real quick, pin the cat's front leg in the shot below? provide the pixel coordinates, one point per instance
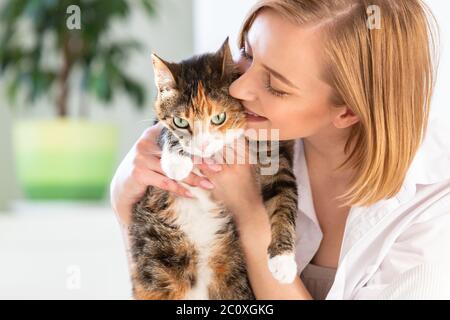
(175, 164)
(280, 197)
(281, 251)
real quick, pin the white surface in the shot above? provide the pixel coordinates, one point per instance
(215, 20)
(43, 246)
(440, 106)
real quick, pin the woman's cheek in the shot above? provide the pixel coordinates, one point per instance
(299, 125)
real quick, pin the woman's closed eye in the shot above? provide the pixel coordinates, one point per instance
(273, 91)
(278, 93)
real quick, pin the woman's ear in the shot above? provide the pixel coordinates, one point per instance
(344, 117)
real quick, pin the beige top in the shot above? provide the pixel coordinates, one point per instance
(318, 280)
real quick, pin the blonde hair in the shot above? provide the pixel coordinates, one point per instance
(385, 76)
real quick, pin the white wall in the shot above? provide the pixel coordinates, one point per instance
(7, 178)
(214, 20)
(441, 107)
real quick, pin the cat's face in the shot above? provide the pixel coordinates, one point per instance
(194, 103)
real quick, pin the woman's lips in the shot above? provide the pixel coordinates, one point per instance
(253, 117)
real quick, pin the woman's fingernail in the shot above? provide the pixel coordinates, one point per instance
(215, 167)
(206, 184)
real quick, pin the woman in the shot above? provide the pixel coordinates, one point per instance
(351, 81)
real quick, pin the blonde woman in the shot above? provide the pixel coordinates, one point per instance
(354, 91)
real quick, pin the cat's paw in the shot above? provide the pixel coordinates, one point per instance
(283, 267)
(175, 166)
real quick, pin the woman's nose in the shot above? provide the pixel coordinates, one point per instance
(241, 88)
(242, 64)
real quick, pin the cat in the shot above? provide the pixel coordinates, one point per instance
(188, 248)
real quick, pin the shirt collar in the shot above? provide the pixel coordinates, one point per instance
(305, 201)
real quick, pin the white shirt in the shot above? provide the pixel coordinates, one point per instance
(397, 248)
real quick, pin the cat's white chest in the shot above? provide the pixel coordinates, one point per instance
(198, 219)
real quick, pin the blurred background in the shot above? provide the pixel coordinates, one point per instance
(76, 91)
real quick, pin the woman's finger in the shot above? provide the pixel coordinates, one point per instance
(147, 143)
(161, 181)
(192, 179)
(207, 170)
(148, 147)
(147, 163)
(176, 188)
(197, 181)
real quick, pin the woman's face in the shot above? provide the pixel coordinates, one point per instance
(280, 83)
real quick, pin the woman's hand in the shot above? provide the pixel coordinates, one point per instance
(235, 185)
(139, 169)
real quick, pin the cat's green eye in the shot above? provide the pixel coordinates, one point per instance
(180, 122)
(219, 118)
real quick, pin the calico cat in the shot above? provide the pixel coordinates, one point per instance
(185, 248)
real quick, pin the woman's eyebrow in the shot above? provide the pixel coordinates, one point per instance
(280, 77)
(276, 74)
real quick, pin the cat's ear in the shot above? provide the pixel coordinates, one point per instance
(164, 78)
(225, 53)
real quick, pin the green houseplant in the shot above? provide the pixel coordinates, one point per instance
(65, 158)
